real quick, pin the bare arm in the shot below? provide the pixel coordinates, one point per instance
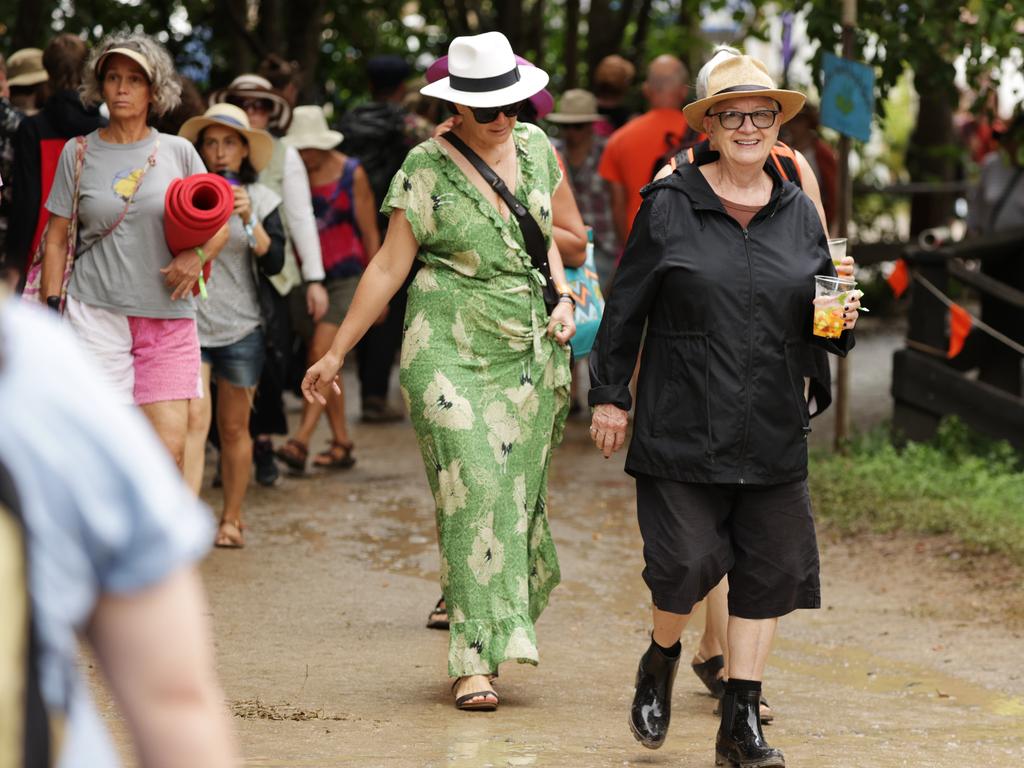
(618, 195)
(384, 275)
(567, 226)
(562, 323)
(154, 648)
(54, 257)
(810, 185)
(366, 212)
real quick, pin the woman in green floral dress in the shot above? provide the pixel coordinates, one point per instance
(484, 370)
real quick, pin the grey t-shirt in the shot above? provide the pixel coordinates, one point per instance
(232, 310)
(121, 273)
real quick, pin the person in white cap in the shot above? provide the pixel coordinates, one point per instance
(129, 298)
(484, 368)
(718, 276)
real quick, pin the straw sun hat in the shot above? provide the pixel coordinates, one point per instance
(576, 106)
(483, 72)
(261, 145)
(738, 77)
(25, 67)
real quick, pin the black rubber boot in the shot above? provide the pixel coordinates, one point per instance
(652, 701)
(740, 742)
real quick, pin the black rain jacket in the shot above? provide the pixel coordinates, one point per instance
(728, 334)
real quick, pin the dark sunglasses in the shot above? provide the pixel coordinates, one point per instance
(489, 114)
(252, 105)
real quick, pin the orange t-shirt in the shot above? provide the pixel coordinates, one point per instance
(633, 150)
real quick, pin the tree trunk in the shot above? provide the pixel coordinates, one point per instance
(31, 26)
(510, 22)
(537, 36)
(304, 36)
(643, 21)
(572, 42)
(931, 156)
(271, 26)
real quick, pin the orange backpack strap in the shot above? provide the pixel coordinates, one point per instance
(785, 162)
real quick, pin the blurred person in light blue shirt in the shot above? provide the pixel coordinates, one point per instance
(113, 536)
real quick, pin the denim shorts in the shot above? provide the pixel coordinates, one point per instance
(240, 363)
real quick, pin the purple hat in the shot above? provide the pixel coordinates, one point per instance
(542, 101)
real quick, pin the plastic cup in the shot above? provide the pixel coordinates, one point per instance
(830, 294)
(837, 250)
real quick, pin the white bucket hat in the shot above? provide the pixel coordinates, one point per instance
(309, 130)
(261, 145)
(482, 72)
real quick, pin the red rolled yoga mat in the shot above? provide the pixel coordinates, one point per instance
(194, 209)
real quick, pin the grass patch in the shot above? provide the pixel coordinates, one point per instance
(957, 484)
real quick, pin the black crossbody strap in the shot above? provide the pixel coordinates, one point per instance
(532, 235)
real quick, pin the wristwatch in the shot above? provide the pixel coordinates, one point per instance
(53, 302)
(250, 233)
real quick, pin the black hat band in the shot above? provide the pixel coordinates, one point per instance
(484, 84)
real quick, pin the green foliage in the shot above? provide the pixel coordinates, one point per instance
(925, 35)
(957, 484)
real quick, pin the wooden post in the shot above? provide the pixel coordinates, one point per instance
(845, 210)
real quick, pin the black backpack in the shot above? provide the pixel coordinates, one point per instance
(25, 730)
(375, 133)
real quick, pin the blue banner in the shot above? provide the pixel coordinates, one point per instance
(848, 100)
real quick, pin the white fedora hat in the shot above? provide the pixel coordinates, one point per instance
(309, 130)
(735, 78)
(261, 145)
(482, 72)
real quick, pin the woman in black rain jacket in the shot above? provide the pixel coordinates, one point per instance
(717, 282)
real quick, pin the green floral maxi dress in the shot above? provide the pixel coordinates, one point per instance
(488, 392)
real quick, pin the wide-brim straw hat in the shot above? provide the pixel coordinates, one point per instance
(577, 106)
(738, 77)
(309, 130)
(483, 72)
(25, 67)
(261, 144)
(251, 86)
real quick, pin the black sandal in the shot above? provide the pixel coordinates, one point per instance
(488, 699)
(438, 618)
(708, 671)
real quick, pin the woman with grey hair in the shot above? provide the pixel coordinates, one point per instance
(129, 298)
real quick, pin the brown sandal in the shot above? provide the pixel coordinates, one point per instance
(293, 453)
(338, 456)
(229, 535)
(477, 701)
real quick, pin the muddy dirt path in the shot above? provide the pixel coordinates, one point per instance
(915, 659)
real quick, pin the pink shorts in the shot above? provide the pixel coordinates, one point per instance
(146, 359)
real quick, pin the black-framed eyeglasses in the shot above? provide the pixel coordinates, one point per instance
(731, 120)
(490, 114)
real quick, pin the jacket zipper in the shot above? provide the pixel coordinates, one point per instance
(750, 354)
